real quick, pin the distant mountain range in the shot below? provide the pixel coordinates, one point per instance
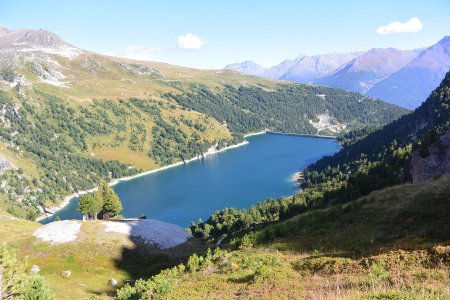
(403, 77)
(306, 68)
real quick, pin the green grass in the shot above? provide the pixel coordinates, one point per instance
(94, 258)
(392, 244)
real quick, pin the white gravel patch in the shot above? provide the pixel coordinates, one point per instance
(162, 234)
(58, 232)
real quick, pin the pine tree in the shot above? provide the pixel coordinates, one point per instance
(90, 205)
(111, 202)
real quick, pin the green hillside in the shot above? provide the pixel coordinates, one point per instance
(391, 244)
(345, 210)
(68, 123)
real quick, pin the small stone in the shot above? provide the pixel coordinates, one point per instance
(113, 282)
(66, 273)
(34, 269)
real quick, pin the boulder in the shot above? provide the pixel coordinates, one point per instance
(34, 269)
(66, 274)
(113, 282)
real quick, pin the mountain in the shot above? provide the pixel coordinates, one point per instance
(410, 85)
(309, 68)
(402, 77)
(391, 243)
(358, 216)
(363, 72)
(377, 159)
(69, 121)
(33, 40)
(247, 67)
(306, 68)
(302, 69)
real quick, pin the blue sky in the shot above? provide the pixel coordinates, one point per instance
(213, 33)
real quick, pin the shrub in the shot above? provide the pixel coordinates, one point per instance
(195, 263)
(262, 273)
(378, 273)
(17, 283)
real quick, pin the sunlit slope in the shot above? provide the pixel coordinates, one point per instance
(92, 76)
(93, 259)
(391, 244)
(70, 121)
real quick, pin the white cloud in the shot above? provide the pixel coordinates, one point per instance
(411, 26)
(190, 42)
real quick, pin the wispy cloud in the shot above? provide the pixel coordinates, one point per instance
(190, 42)
(137, 52)
(411, 26)
(140, 52)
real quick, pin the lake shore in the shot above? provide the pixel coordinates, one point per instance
(50, 211)
(297, 176)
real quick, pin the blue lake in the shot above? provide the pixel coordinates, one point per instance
(238, 177)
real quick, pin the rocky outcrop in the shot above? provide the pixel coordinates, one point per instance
(435, 163)
(5, 164)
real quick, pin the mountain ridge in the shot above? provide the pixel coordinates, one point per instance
(386, 73)
(411, 85)
(363, 72)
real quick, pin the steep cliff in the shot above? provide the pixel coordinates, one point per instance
(432, 163)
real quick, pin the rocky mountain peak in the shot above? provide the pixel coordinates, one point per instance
(247, 67)
(35, 40)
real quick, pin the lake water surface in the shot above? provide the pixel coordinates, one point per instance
(238, 177)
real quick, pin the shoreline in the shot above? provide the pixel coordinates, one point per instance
(256, 133)
(302, 134)
(54, 209)
(297, 176)
(212, 150)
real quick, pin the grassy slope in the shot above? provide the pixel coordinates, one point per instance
(104, 79)
(94, 258)
(392, 244)
(91, 76)
(381, 244)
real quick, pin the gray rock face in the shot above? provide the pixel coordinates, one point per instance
(26, 38)
(5, 164)
(436, 163)
(308, 68)
(113, 282)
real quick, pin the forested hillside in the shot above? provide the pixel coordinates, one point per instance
(390, 244)
(378, 160)
(293, 108)
(385, 149)
(350, 233)
(68, 122)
